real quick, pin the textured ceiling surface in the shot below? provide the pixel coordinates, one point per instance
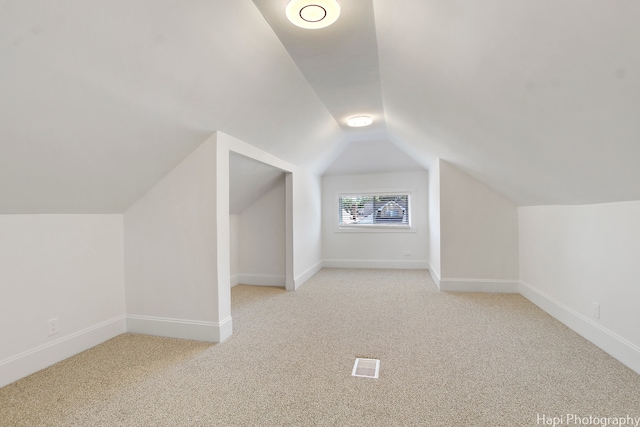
(538, 99)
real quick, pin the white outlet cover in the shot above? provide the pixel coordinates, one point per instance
(52, 326)
(596, 310)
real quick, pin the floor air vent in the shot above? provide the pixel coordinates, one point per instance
(366, 368)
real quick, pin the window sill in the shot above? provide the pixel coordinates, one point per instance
(375, 229)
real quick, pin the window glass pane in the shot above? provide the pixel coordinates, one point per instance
(384, 209)
(392, 209)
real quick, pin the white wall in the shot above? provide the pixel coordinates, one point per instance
(307, 225)
(171, 253)
(234, 248)
(478, 235)
(261, 245)
(172, 249)
(378, 248)
(68, 267)
(178, 244)
(434, 222)
(304, 244)
(572, 256)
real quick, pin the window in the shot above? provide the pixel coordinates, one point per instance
(374, 210)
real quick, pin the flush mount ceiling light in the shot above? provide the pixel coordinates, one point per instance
(313, 14)
(359, 121)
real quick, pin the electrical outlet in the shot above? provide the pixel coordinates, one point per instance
(596, 310)
(407, 253)
(53, 326)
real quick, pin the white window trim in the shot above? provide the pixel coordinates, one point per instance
(373, 228)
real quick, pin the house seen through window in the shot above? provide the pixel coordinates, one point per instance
(370, 210)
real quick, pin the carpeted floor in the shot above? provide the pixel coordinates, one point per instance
(447, 359)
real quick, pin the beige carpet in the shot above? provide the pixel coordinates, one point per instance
(447, 359)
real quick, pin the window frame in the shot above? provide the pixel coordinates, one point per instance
(374, 228)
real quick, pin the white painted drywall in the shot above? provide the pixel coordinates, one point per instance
(234, 247)
(136, 88)
(577, 255)
(304, 246)
(307, 225)
(379, 248)
(434, 222)
(178, 244)
(479, 229)
(68, 267)
(261, 246)
(171, 246)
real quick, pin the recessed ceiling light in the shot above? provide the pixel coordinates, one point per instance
(313, 14)
(359, 121)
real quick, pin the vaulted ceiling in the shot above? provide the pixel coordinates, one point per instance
(538, 99)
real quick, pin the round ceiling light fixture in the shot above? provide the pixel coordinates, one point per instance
(359, 121)
(313, 14)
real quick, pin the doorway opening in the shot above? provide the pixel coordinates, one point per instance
(259, 226)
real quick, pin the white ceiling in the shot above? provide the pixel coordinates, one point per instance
(340, 62)
(538, 99)
(248, 180)
(369, 157)
(100, 99)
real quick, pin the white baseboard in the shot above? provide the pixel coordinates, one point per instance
(38, 358)
(261, 279)
(225, 329)
(180, 328)
(479, 285)
(308, 274)
(618, 347)
(377, 263)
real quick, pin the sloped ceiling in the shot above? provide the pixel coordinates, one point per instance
(538, 99)
(374, 156)
(248, 180)
(340, 62)
(100, 99)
